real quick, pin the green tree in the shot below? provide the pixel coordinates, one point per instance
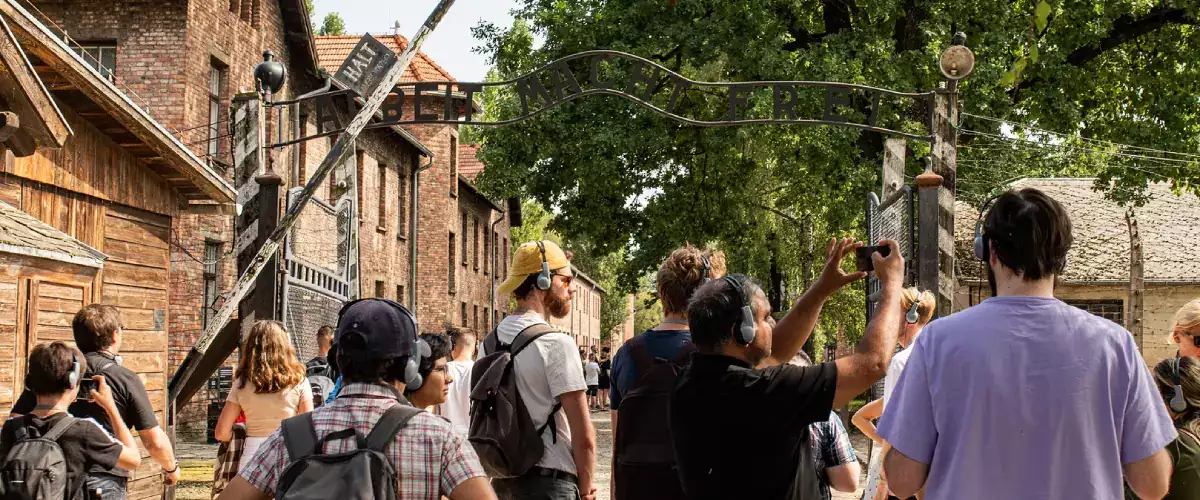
(332, 25)
(623, 177)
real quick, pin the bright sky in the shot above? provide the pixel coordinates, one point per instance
(450, 44)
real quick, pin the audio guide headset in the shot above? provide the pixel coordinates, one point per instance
(911, 316)
(746, 327)
(544, 278)
(1178, 403)
(980, 245)
(76, 372)
(412, 373)
(707, 269)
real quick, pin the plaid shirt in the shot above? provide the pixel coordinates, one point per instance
(430, 458)
(831, 448)
(228, 456)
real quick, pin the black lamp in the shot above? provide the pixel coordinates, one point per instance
(270, 74)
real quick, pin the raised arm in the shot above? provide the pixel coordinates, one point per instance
(869, 362)
(793, 330)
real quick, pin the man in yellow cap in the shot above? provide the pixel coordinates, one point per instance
(549, 377)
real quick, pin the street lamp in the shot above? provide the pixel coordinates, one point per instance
(270, 74)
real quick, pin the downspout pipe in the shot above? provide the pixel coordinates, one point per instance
(495, 273)
(412, 230)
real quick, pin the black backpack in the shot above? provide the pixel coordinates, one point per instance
(502, 431)
(644, 457)
(361, 474)
(34, 467)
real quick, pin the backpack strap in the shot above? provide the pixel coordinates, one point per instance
(300, 436)
(389, 425)
(491, 343)
(685, 353)
(527, 336)
(57, 431)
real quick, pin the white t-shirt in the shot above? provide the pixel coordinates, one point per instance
(546, 369)
(457, 408)
(591, 373)
(895, 368)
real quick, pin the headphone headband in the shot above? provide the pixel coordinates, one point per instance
(707, 269)
(746, 326)
(1178, 402)
(911, 316)
(544, 278)
(980, 243)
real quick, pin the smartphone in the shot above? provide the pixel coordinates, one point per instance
(862, 256)
(86, 386)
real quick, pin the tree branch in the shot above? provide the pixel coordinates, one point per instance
(1127, 28)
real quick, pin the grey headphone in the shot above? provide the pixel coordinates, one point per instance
(911, 317)
(746, 328)
(980, 246)
(76, 371)
(1178, 404)
(543, 279)
(707, 269)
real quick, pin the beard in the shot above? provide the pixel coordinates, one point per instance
(558, 307)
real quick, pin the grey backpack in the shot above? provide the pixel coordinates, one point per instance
(34, 468)
(502, 431)
(362, 474)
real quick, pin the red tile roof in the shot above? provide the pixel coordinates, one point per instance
(333, 49)
(469, 165)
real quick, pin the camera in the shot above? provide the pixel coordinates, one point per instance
(862, 256)
(86, 386)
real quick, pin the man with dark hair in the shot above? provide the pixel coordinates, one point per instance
(55, 383)
(1024, 396)
(740, 414)
(457, 407)
(98, 333)
(549, 376)
(324, 343)
(373, 343)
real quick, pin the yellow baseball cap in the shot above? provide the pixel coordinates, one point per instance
(528, 260)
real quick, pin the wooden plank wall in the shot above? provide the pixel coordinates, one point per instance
(135, 278)
(92, 164)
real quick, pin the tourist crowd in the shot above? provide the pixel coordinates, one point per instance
(1021, 396)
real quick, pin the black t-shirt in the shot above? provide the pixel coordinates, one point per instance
(84, 445)
(743, 433)
(605, 366)
(128, 392)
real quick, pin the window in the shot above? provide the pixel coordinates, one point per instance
(212, 254)
(454, 167)
(380, 289)
(382, 196)
(451, 263)
(301, 177)
(101, 56)
(400, 294)
(504, 248)
(475, 245)
(216, 82)
(245, 10)
(360, 163)
(464, 315)
(487, 317)
(475, 317)
(464, 240)
(1112, 310)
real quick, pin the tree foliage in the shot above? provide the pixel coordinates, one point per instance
(332, 25)
(620, 176)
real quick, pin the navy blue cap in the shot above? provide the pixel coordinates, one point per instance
(387, 329)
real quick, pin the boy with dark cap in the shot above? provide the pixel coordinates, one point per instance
(374, 342)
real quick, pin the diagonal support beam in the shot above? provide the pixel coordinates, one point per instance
(337, 154)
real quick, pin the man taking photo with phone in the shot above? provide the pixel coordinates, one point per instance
(740, 414)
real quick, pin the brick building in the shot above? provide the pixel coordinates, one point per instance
(583, 323)
(91, 215)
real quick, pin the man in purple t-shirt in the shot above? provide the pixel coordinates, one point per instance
(1024, 396)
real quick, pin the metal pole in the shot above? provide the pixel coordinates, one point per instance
(337, 154)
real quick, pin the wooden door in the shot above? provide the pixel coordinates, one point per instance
(50, 305)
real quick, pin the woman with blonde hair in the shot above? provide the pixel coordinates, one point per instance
(1182, 372)
(268, 386)
(918, 311)
(1186, 331)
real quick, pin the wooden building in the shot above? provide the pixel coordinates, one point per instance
(87, 212)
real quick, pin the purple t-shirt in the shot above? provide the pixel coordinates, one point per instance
(1025, 397)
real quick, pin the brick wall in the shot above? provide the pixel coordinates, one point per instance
(476, 280)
